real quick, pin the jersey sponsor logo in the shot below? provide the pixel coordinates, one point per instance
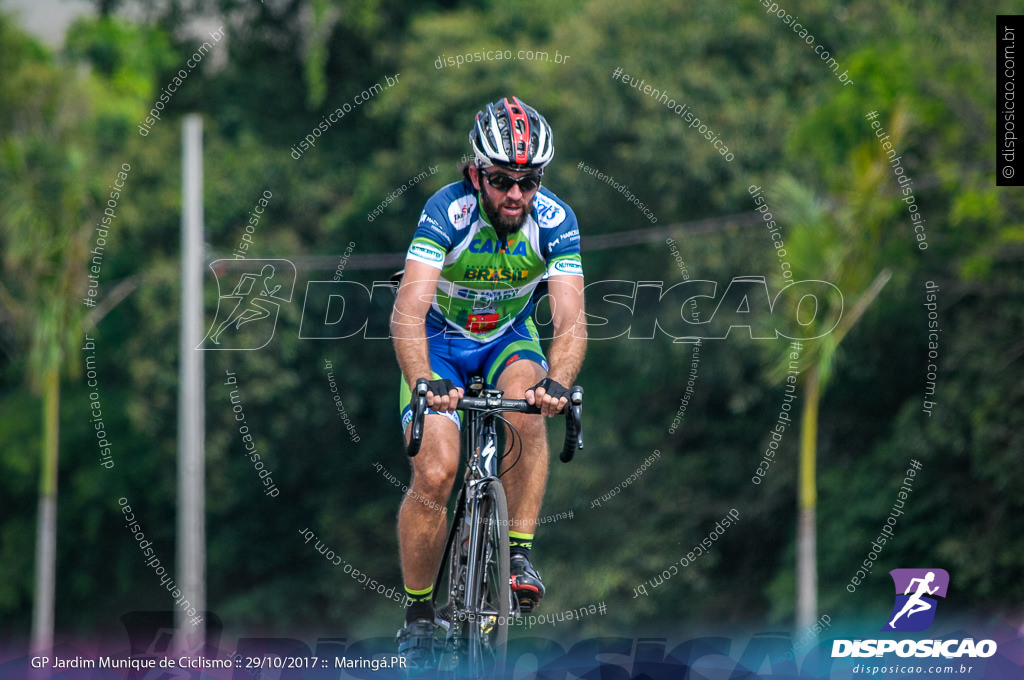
(495, 274)
(427, 219)
(426, 252)
(481, 245)
(570, 236)
(488, 295)
(548, 212)
(460, 210)
(568, 266)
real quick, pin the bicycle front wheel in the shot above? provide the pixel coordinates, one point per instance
(488, 594)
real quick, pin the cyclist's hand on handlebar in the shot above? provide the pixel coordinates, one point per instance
(549, 395)
(442, 395)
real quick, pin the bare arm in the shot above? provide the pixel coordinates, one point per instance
(408, 329)
(569, 344)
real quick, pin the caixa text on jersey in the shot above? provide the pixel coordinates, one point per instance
(615, 309)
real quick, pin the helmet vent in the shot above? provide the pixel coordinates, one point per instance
(511, 134)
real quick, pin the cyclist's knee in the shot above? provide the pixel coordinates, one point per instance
(437, 463)
(434, 478)
(534, 433)
(519, 377)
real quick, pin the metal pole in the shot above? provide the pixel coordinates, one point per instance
(191, 549)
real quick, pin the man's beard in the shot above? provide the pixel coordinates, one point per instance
(505, 226)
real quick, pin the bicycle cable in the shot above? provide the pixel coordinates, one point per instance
(513, 437)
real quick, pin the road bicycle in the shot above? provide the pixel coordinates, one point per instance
(473, 597)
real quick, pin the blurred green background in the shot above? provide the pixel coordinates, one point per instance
(69, 119)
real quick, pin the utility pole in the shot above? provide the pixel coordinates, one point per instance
(191, 548)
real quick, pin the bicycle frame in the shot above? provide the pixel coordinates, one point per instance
(481, 447)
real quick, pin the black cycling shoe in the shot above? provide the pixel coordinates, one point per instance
(416, 646)
(526, 583)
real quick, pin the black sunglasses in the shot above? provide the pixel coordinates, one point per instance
(504, 183)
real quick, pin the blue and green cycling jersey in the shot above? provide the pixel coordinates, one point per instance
(486, 286)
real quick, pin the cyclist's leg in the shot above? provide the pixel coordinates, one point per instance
(525, 481)
(421, 534)
(515, 366)
(422, 515)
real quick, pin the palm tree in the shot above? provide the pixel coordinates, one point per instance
(838, 239)
(45, 252)
(44, 205)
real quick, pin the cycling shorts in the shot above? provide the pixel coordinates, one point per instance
(458, 359)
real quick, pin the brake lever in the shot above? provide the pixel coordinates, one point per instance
(419, 410)
(573, 425)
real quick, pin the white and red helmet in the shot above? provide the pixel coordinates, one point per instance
(512, 135)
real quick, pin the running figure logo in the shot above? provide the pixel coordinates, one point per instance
(916, 611)
(254, 302)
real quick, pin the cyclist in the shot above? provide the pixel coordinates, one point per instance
(464, 308)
